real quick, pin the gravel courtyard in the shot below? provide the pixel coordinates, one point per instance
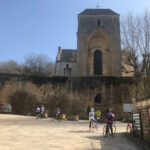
(27, 133)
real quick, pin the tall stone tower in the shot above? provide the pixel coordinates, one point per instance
(98, 43)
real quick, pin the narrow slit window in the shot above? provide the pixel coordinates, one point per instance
(64, 71)
(67, 66)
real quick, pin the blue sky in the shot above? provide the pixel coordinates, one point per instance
(40, 26)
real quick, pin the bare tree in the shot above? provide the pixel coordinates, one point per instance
(10, 67)
(32, 65)
(38, 65)
(136, 41)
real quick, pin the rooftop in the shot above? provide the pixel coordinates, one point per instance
(98, 12)
(68, 55)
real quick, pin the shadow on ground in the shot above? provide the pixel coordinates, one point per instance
(118, 142)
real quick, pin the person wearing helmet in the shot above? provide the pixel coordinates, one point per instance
(37, 112)
(98, 115)
(114, 118)
(91, 117)
(58, 113)
(109, 120)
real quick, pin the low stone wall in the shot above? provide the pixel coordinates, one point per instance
(143, 108)
(74, 95)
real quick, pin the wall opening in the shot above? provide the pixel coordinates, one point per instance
(67, 66)
(67, 70)
(97, 62)
(98, 99)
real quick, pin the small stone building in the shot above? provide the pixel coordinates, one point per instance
(66, 62)
(98, 46)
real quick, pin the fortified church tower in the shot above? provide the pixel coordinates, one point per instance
(98, 43)
(98, 46)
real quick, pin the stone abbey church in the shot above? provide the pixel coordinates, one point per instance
(98, 46)
(90, 76)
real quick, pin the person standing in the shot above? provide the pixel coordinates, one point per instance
(58, 113)
(37, 112)
(112, 112)
(91, 117)
(42, 111)
(109, 120)
(98, 115)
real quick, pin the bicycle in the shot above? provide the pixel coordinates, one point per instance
(56, 117)
(38, 116)
(93, 126)
(131, 128)
(106, 130)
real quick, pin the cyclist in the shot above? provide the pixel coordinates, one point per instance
(42, 111)
(37, 112)
(58, 113)
(98, 115)
(91, 117)
(112, 112)
(109, 120)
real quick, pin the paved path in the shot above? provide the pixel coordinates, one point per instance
(27, 133)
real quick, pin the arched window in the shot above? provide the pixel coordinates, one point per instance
(98, 99)
(98, 62)
(98, 22)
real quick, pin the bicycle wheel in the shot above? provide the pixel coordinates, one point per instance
(94, 126)
(105, 131)
(114, 128)
(38, 116)
(134, 133)
(90, 126)
(128, 130)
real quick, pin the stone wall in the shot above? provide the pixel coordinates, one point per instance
(73, 94)
(143, 108)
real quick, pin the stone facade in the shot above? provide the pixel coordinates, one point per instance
(65, 68)
(98, 45)
(99, 30)
(65, 62)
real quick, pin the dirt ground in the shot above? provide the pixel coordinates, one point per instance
(27, 133)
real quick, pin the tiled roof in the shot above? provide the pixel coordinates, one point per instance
(68, 55)
(98, 12)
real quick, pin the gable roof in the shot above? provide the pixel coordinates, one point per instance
(98, 12)
(67, 55)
